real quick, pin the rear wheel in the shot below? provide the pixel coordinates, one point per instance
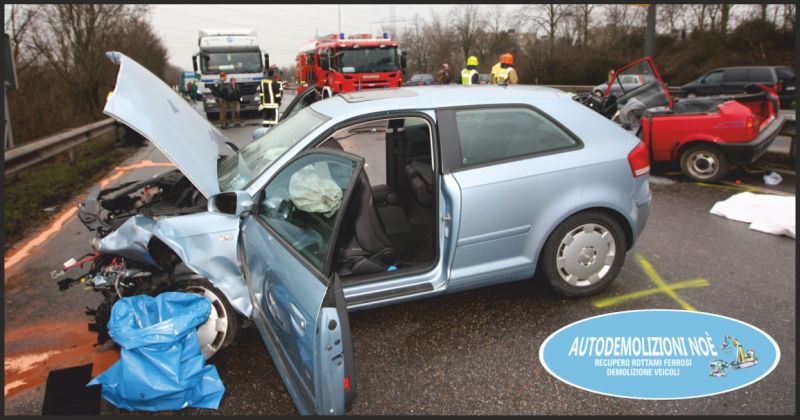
(704, 163)
(584, 254)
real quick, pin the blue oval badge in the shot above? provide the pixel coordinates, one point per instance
(659, 354)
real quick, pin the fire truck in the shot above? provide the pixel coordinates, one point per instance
(334, 64)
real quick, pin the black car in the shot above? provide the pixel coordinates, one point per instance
(734, 80)
(420, 79)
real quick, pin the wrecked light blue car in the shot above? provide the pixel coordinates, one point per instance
(380, 197)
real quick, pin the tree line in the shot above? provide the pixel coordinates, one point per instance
(63, 74)
(579, 43)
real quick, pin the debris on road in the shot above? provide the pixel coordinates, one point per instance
(773, 178)
(765, 212)
(161, 366)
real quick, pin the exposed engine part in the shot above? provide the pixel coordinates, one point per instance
(167, 194)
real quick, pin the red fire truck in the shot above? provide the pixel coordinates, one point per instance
(333, 64)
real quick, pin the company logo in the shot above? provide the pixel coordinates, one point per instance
(659, 354)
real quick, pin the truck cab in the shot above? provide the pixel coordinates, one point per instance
(235, 52)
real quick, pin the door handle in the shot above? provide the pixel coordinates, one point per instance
(298, 320)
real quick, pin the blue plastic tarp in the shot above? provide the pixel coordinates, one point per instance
(161, 366)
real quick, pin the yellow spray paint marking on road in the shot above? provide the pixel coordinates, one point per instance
(661, 287)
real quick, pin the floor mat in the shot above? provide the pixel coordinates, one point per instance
(66, 392)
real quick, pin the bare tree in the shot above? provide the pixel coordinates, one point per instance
(17, 24)
(72, 41)
(468, 27)
(548, 17)
(699, 11)
(582, 16)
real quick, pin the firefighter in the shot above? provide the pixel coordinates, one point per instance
(495, 70)
(469, 75)
(506, 75)
(270, 97)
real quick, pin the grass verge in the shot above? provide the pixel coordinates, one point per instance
(54, 182)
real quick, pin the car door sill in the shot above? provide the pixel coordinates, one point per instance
(389, 294)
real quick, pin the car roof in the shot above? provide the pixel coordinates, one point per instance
(747, 67)
(434, 97)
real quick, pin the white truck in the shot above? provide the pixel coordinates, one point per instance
(236, 52)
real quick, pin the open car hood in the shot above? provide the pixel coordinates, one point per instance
(146, 104)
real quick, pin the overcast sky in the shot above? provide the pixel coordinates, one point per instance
(281, 29)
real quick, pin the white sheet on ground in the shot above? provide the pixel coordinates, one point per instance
(765, 212)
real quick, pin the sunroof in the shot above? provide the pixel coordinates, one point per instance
(371, 95)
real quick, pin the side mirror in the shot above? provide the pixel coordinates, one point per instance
(259, 132)
(266, 60)
(237, 203)
(194, 63)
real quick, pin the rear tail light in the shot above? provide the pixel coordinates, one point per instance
(750, 124)
(639, 160)
(346, 383)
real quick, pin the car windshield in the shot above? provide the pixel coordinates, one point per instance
(367, 60)
(239, 169)
(422, 77)
(232, 62)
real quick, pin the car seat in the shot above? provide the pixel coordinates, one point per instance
(364, 246)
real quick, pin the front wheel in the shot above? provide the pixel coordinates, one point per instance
(704, 163)
(584, 254)
(222, 325)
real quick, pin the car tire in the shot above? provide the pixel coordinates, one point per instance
(704, 163)
(584, 254)
(222, 326)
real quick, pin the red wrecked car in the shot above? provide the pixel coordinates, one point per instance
(706, 136)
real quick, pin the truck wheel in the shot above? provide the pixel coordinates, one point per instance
(583, 255)
(222, 325)
(704, 163)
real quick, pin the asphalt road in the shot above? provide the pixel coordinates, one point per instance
(470, 353)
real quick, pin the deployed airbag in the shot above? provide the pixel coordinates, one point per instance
(767, 213)
(313, 190)
(161, 367)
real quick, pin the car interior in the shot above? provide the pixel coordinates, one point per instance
(388, 224)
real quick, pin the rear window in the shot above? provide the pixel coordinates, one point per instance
(496, 134)
(785, 73)
(761, 75)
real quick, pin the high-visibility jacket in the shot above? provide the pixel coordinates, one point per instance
(506, 76)
(270, 94)
(467, 75)
(493, 76)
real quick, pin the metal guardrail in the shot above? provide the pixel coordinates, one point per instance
(31, 153)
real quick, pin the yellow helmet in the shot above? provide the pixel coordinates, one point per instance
(472, 61)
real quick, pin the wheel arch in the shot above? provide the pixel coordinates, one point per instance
(709, 141)
(617, 215)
